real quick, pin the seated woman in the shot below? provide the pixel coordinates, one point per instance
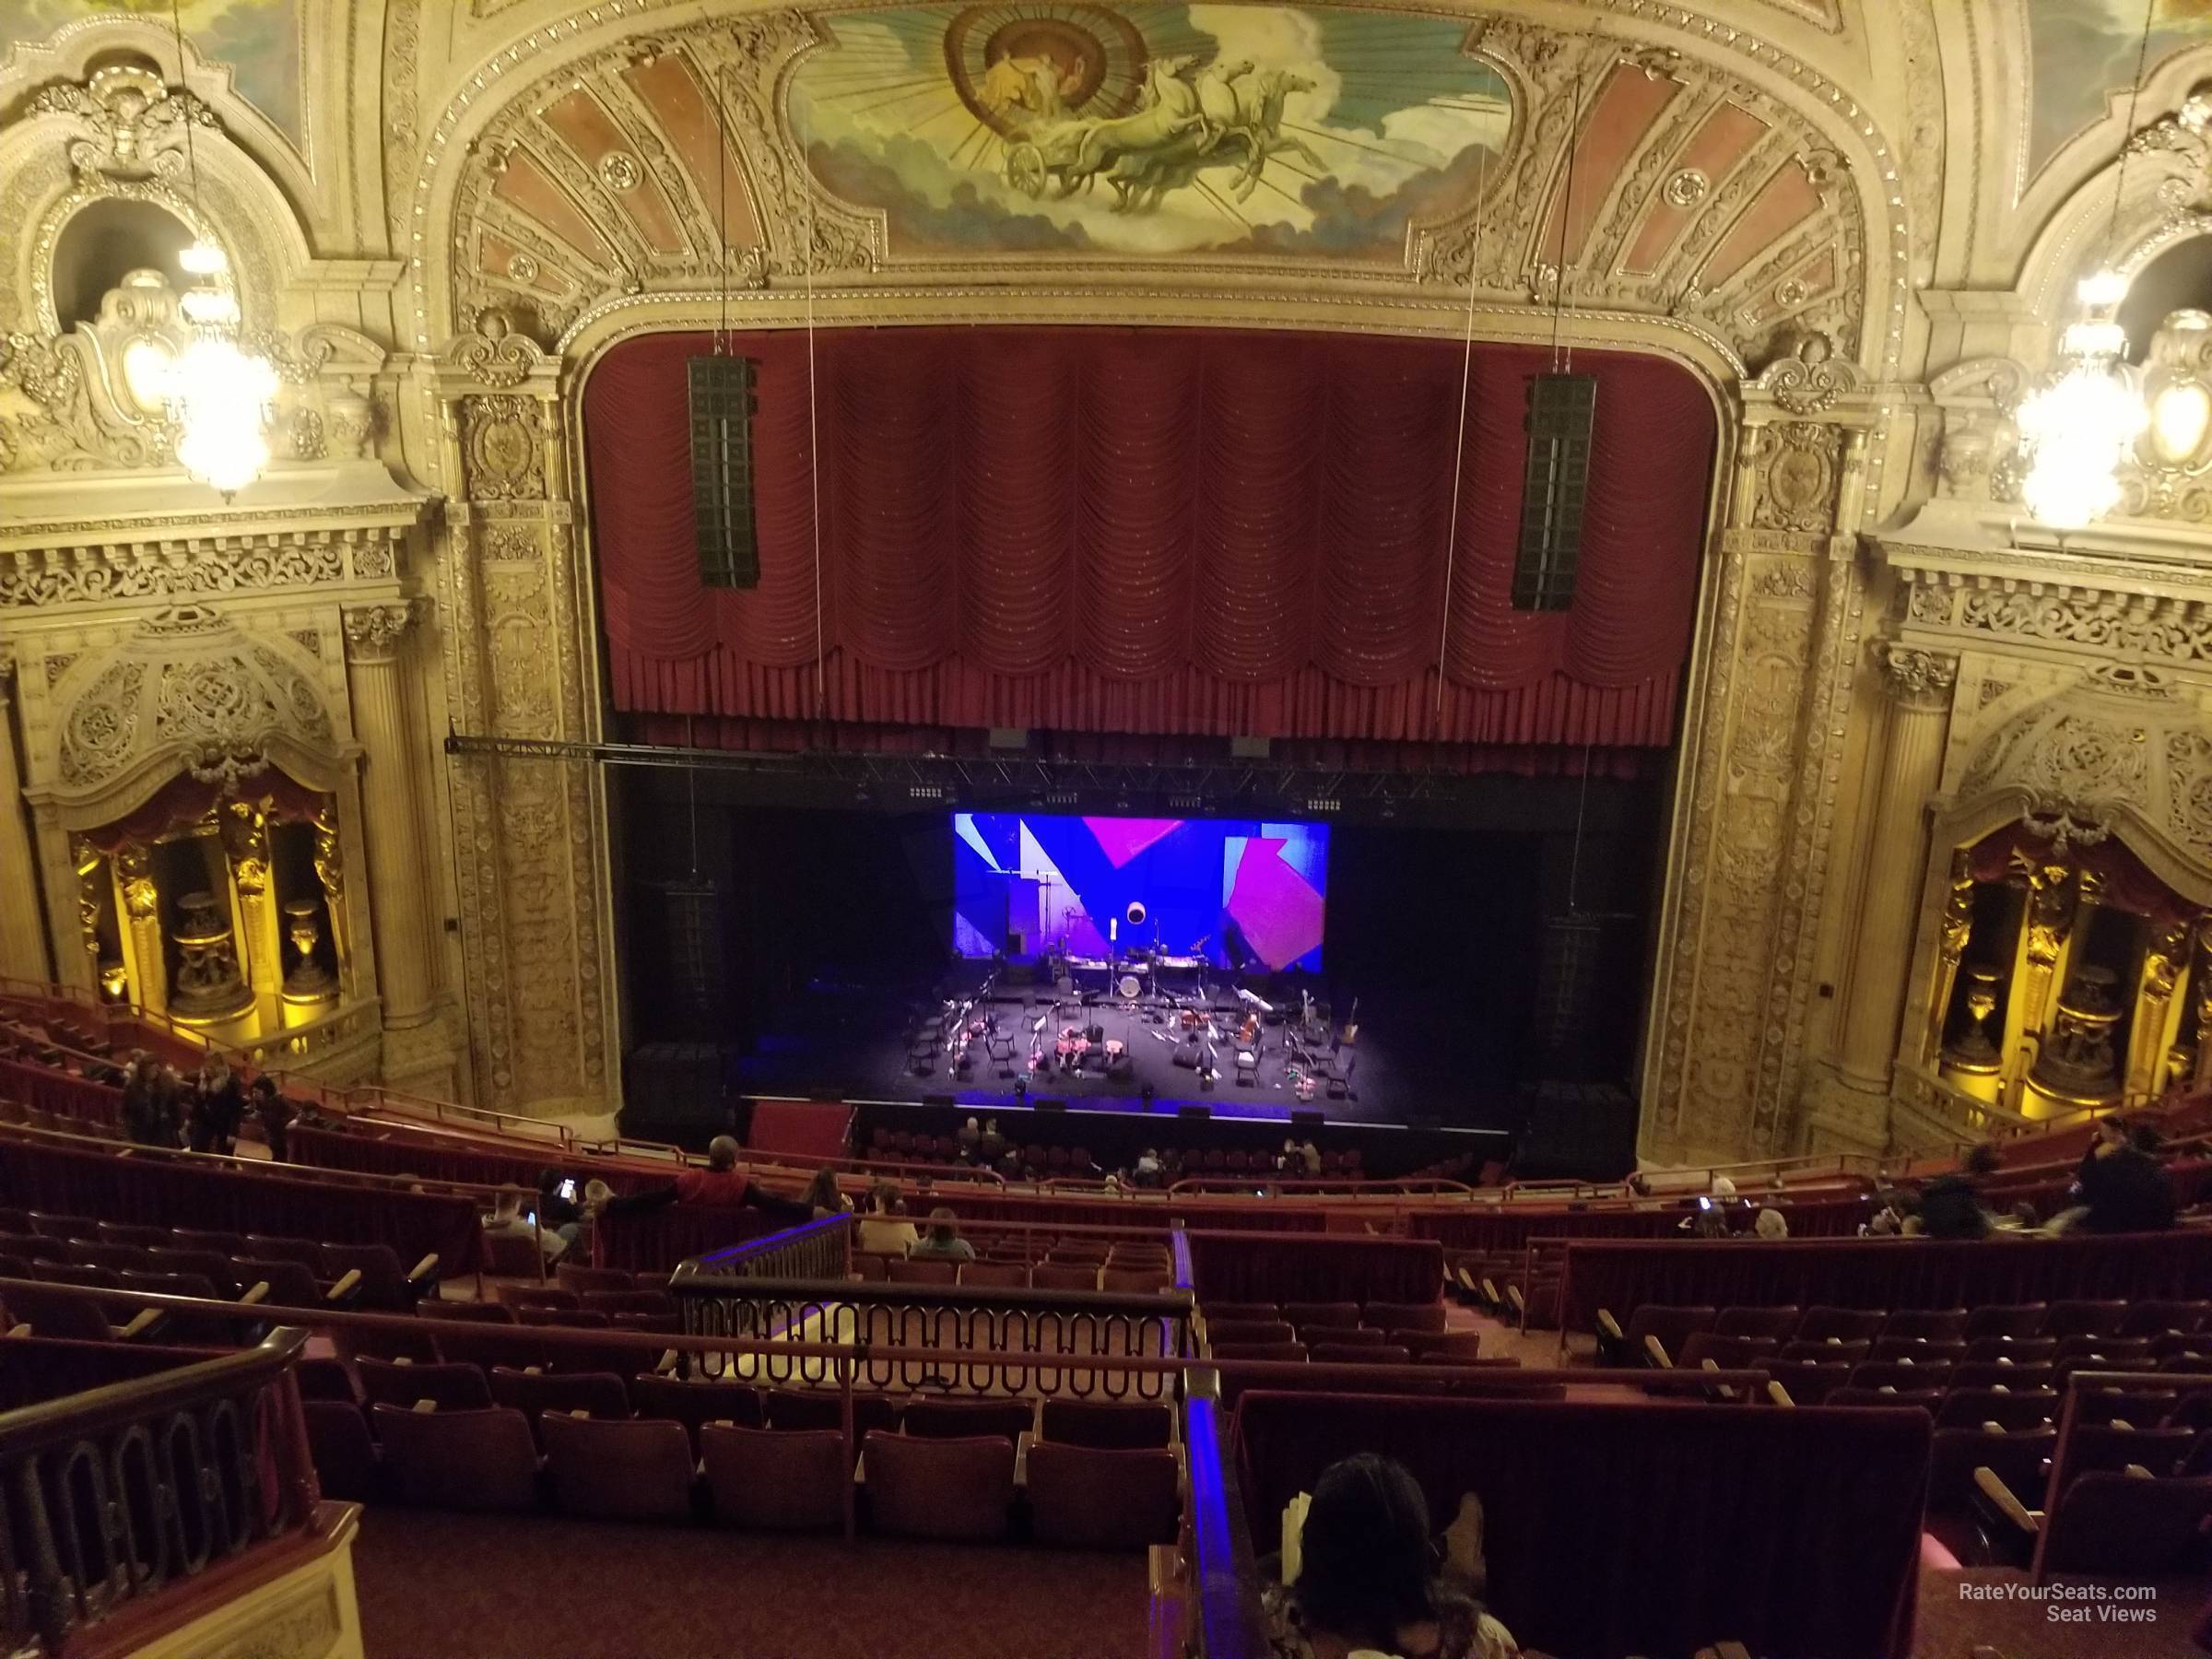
(1369, 1582)
(943, 1242)
(884, 1231)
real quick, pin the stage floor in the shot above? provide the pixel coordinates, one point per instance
(854, 1040)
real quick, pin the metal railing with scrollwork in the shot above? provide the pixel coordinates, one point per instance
(111, 1496)
(959, 1338)
(813, 1250)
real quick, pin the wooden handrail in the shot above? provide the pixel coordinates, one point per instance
(113, 1404)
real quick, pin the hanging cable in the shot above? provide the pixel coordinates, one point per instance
(1574, 861)
(2127, 136)
(722, 206)
(814, 477)
(1559, 279)
(1459, 448)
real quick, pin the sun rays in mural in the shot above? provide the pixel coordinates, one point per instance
(1149, 128)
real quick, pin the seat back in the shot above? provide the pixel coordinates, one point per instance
(2015, 1455)
(2094, 1446)
(927, 1271)
(1224, 1310)
(619, 1470)
(956, 1490)
(2008, 1319)
(465, 1460)
(695, 1405)
(1219, 1331)
(958, 1419)
(1729, 1353)
(1925, 1324)
(1259, 1350)
(2109, 1523)
(451, 1387)
(576, 1276)
(1777, 1323)
(1340, 1336)
(55, 1313)
(2019, 1350)
(1900, 1374)
(804, 1408)
(1013, 1276)
(290, 1285)
(2085, 1319)
(1107, 1425)
(1808, 1381)
(213, 1265)
(1088, 1497)
(1406, 1316)
(596, 1394)
(2165, 1318)
(1829, 1351)
(383, 1280)
(1355, 1353)
(1063, 1275)
(776, 1480)
(305, 1251)
(339, 1446)
(522, 1298)
(1136, 1281)
(1461, 1346)
(1840, 1324)
(2013, 1409)
(1672, 1325)
(1338, 1316)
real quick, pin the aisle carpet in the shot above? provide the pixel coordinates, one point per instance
(494, 1587)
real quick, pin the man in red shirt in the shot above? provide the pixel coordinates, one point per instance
(722, 1184)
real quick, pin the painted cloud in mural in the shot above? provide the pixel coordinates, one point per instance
(1150, 129)
(2085, 54)
(258, 40)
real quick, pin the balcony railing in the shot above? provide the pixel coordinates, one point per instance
(813, 1250)
(111, 1498)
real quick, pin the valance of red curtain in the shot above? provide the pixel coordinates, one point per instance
(2129, 884)
(185, 800)
(1149, 530)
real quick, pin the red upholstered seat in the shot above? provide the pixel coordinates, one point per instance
(2016, 1454)
(1925, 1398)
(1840, 1324)
(525, 1297)
(1729, 1353)
(53, 1312)
(576, 1276)
(1921, 1350)
(322, 1379)
(1670, 1326)
(2107, 1446)
(1108, 1425)
(923, 1271)
(1900, 1375)
(191, 1237)
(1136, 1281)
(1064, 1276)
(465, 1460)
(1996, 1373)
(1830, 1351)
(1406, 1316)
(1439, 1344)
(1012, 1276)
(2152, 1318)
(1341, 1336)
(2109, 1523)
(696, 1403)
(597, 1393)
(125, 1232)
(339, 1445)
(620, 1470)
(957, 1420)
(1808, 1381)
(1349, 1353)
(2020, 1408)
(805, 1408)
(611, 1302)
(2006, 1319)
(1259, 1350)
(1925, 1324)
(1339, 1315)
(415, 1340)
(957, 1489)
(451, 1387)
(386, 1281)
(2085, 1319)
(2021, 1350)
(1092, 1499)
(774, 1479)
(1777, 1323)
(1218, 1331)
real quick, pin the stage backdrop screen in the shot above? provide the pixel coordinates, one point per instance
(1243, 893)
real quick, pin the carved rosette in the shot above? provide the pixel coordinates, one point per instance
(1918, 678)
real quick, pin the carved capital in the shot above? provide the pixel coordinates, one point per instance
(1917, 678)
(493, 354)
(373, 633)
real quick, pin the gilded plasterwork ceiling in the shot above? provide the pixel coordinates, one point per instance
(1357, 144)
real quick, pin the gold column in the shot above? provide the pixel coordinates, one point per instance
(398, 883)
(330, 871)
(2153, 1029)
(2201, 985)
(245, 838)
(1919, 685)
(89, 864)
(22, 939)
(1958, 930)
(142, 926)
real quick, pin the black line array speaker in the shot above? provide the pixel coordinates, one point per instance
(698, 975)
(1194, 1112)
(1307, 1118)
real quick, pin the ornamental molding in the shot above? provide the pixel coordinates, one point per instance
(1918, 678)
(2005, 608)
(155, 568)
(374, 633)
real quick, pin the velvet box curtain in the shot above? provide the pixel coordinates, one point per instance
(118, 1188)
(2129, 884)
(1645, 1528)
(1149, 531)
(1243, 1267)
(1877, 1272)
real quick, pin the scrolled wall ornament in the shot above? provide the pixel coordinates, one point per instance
(134, 125)
(494, 355)
(374, 632)
(1807, 379)
(1918, 677)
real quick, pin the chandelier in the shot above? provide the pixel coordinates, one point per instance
(220, 396)
(2080, 425)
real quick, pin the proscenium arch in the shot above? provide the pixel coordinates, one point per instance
(533, 60)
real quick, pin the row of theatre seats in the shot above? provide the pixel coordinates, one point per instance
(1125, 1277)
(1340, 1333)
(901, 1145)
(649, 1446)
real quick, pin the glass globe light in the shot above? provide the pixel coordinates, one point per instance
(221, 397)
(2080, 425)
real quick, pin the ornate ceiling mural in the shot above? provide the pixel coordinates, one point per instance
(2083, 54)
(1366, 145)
(259, 42)
(1150, 129)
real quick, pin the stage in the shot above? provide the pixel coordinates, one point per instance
(917, 1043)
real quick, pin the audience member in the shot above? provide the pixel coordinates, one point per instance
(943, 1242)
(968, 1140)
(274, 1113)
(823, 1197)
(1309, 1155)
(884, 1231)
(1368, 1576)
(149, 1102)
(1147, 1172)
(508, 1221)
(1950, 1206)
(217, 1106)
(1771, 1225)
(555, 1210)
(991, 1145)
(2124, 1187)
(724, 1184)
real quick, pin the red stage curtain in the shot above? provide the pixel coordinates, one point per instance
(1152, 531)
(1244, 1267)
(2128, 883)
(1877, 1272)
(117, 1188)
(1640, 1528)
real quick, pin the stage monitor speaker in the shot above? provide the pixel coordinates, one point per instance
(699, 976)
(722, 470)
(1194, 1112)
(1306, 1118)
(1561, 409)
(1052, 1106)
(938, 1099)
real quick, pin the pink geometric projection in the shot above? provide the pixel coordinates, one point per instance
(1280, 914)
(1122, 839)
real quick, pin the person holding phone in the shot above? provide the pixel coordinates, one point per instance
(558, 1211)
